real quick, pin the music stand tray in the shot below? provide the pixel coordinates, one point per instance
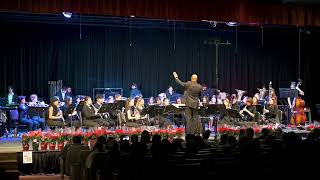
(106, 107)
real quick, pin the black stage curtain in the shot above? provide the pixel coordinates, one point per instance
(32, 54)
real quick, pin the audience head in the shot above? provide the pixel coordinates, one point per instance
(249, 133)
(156, 138)
(113, 145)
(232, 141)
(102, 140)
(265, 132)
(145, 137)
(224, 139)
(134, 139)
(190, 137)
(206, 134)
(242, 133)
(76, 139)
(98, 147)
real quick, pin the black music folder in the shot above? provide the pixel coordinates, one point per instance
(259, 108)
(234, 113)
(215, 109)
(36, 111)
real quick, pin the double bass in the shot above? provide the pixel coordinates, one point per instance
(298, 116)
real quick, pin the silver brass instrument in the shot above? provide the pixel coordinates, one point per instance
(262, 93)
(240, 93)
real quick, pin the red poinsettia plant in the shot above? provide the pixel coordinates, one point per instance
(25, 138)
(35, 136)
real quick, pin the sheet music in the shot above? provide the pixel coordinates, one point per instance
(178, 105)
(27, 157)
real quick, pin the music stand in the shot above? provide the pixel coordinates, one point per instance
(234, 113)
(119, 104)
(106, 107)
(36, 111)
(80, 106)
(259, 108)
(215, 109)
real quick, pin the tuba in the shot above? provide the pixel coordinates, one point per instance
(262, 93)
(240, 93)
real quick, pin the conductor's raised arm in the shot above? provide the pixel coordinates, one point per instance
(175, 75)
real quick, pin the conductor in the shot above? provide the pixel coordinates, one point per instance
(192, 91)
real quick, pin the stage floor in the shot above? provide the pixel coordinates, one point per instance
(10, 144)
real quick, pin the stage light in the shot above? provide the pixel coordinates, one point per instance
(232, 23)
(204, 20)
(67, 14)
(132, 16)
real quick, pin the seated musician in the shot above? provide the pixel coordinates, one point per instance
(132, 115)
(105, 116)
(234, 102)
(135, 92)
(213, 100)
(178, 118)
(139, 106)
(90, 116)
(165, 118)
(205, 101)
(55, 115)
(35, 103)
(179, 100)
(249, 111)
(23, 115)
(226, 119)
(110, 99)
(255, 101)
(158, 101)
(170, 93)
(11, 96)
(151, 101)
(206, 91)
(70, 113)
(271, 112)
(118, 97)
(99, 101)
